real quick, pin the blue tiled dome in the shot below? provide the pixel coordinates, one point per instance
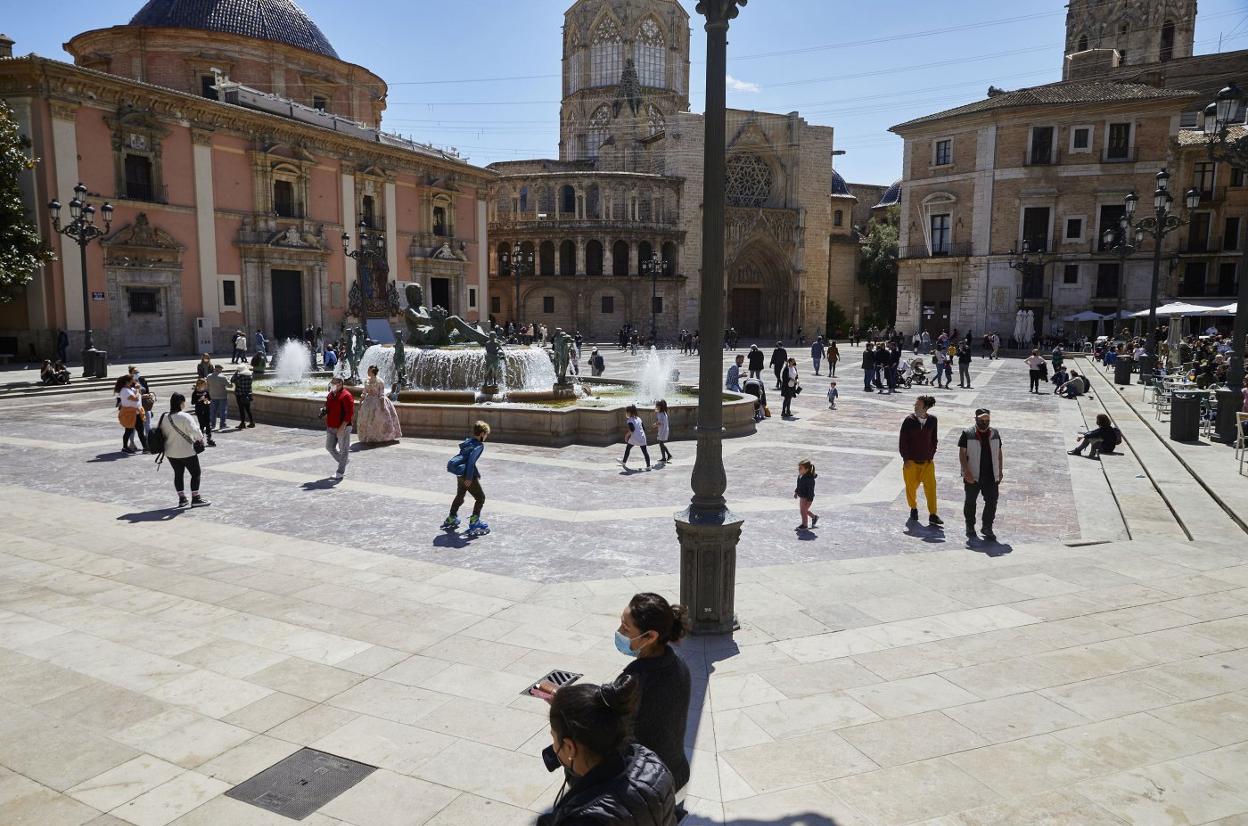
(891, 197)
(280, 21)
(839, 187)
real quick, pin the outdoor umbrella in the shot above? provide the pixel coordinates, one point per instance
(1175, 339)
(1086, 315)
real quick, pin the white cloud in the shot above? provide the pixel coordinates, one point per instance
(743, 85)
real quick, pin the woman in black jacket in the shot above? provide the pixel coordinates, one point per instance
(610, 782)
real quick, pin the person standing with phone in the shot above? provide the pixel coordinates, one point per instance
(339, 410)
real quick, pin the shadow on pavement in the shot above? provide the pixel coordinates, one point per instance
(992, 549)
(806, 819)
(111, 457)
(448, 539)
(328, 483)
(920, 531)
(159, 515)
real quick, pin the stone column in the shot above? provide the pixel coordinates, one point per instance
(632, 258)
(483, 262)
(206, 230)
(580, 256)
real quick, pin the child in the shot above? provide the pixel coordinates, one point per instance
(664, 430)
(468, 480)
(805, 493)
(636, 435)
(202, 405)
(832, 395)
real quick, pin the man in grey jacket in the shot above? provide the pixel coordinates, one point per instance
(218, 396)
(983, 466)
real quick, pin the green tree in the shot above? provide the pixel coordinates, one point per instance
(22, 250)
(836, 324)
(877, 267)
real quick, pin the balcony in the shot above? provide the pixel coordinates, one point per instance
(1042, 156)
(961, 250)
(1119, 156)
(538, 221)
(147, 193)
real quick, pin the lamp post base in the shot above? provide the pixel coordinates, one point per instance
(708, 568)
(94, 364)
(1229, 403)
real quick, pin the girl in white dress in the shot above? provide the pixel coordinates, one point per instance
(635, 435)
(664, 430)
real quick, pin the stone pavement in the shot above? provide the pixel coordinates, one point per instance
(150, 659)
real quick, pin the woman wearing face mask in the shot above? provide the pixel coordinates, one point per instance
(610, 781)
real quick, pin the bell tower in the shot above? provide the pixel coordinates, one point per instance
(1141, 31)
(625, 72)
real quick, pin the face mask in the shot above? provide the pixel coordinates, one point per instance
(622, 644)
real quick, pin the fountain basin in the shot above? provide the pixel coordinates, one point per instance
(450, 414)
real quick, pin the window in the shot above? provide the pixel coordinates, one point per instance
(567, 199)
(1237, 176)
(229, 292)
(1228, 284)
(143, 302)
(941, 230)
(1230, 235)
(1081, 139)
(651, 55)
(1111, 216)
(1074, 229)
(1118, 142)
(1033, 281)
(1041, 145)
(749, 180)
(548, 304)
(284, 198)
(1070, 274)
(546, 258)
(656, 304)
(1167, 42)
(1198, 232)
(593, 258)
(598, 123)
(1202, 179)
(319, 103)
(439, 221)
(838, 218)
(606, 54)
(608, 304)
(472, 298)
(207, 87)
(368, 212)
(1036, 228)
(567, 258)
(1193, 278)
(655, 119)
(1107, 280)
(139, 178)
(496, 304)
(523, 205)
(943, 152)
(1083, 43)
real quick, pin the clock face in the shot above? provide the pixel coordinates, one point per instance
(134, 140)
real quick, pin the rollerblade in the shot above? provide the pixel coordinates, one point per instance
(476, 527)
(450, 523)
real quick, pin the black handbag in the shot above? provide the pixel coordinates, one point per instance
(196, 444)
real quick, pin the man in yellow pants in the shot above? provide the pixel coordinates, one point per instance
(917, 444)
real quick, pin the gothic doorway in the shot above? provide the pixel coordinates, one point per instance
(760, 293)
(287, 304)
(743, 311)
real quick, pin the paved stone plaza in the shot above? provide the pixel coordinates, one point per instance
(1091, 668)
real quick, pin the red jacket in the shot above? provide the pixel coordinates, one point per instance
(917, 442)
(340, 409)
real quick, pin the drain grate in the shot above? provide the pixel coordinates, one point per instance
(300, 784)
(557, 677)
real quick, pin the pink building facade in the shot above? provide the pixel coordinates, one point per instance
(231, 192)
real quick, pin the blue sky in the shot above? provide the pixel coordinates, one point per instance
(483, 75)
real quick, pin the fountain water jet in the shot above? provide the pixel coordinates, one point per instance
(293, 362)
(654, 379)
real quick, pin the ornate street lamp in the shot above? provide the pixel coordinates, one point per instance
(83, 230)
(370, 247)
(654, 267)
(516, 264)
(1122, 242)
(707, 530)
(1226, 130)
(1163, 222)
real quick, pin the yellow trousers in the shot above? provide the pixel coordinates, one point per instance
(914, 473)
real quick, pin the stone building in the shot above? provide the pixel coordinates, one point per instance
(627, 186)
(236, 147)
(1049, 166)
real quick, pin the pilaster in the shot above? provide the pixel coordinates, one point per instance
(205, 227)
(65, 154)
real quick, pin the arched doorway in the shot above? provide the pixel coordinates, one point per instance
(619, 258)
(760, 293)
(593, 258)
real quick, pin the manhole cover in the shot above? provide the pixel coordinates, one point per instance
(302, 783)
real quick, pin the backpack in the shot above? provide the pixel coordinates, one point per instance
(456, 464)
(156, 439)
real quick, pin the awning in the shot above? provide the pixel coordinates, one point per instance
(1180, 308)
(1086, 315)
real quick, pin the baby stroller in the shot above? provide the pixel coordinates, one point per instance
(915, 372)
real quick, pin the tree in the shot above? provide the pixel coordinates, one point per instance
(877, 267)
(22, 249)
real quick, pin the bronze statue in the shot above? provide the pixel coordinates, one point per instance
(356, 347)
(434, 326)
(495, 364)
(561, 346)
(400, 364)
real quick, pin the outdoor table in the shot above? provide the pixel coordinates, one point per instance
(1185, 415)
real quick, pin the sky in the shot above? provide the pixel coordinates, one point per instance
(484, 75)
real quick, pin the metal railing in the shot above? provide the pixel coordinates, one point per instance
(960, 250)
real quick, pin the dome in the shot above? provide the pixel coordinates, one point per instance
(280, 21)
(891, 197)
(839, 187)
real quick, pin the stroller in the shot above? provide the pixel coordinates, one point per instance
(915, 372)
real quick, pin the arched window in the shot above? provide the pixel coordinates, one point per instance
(524, 199)
(606, 54)
(650, 54)
(655, 118)
(1083, 43)
(567, 258)
(619, 258)
(593, 202)
(644, 252)
(1167, 41)
(546, 258)
(567, 200)
(598, 124)
(593, 258)
(671, 258)
(576, 62)
(748, 181)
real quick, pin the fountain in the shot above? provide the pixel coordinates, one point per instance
(446, 373)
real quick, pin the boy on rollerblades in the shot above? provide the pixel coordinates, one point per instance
(468, 480)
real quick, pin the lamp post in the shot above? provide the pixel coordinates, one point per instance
(708, 531)
(83, 230)
(370, 246)
(1025, 262)
(1226, 130)
(1122, 242)
(1157, 226)
(516, 264)
(652, 267)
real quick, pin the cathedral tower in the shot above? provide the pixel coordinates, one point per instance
(1142, 31)
(625, 72)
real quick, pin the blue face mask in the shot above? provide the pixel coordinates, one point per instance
(623, 645)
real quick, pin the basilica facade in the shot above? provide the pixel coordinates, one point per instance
(613, 225)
